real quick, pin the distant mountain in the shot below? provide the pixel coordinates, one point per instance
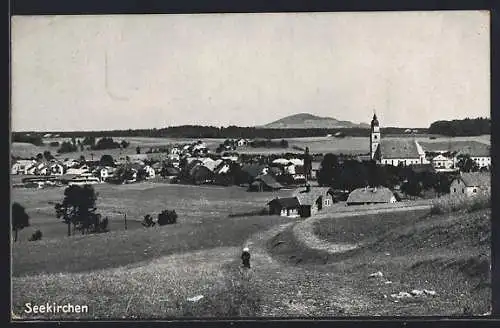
(309, 121)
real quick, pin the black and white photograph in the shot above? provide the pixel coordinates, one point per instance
(250, 165)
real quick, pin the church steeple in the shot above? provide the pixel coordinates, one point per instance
(374, 136)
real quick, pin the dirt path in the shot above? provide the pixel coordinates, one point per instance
(295, 291)
(304, 230)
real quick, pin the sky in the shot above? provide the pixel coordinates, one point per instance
(152, 71)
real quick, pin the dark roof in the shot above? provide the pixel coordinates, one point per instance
(398, 148)
(370, 195)
(287, 202)
(309, 198)
(476, 179)
(472, 148)
(269, 181)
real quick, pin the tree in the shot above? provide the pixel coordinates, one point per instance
(47, 155)
(328, 170)
(78, 207)
(82, 158)
(39, 156)
(124, 144)
(307, 163)
(138, 150)
(466, 164)
(167, 217)
(67, 147)
(141, 174)
(20, 219)
(106, 160)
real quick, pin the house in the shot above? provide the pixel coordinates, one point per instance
(442, 162)
(364, 196)
(70, 163)
(78, 170)
(242, 142)
(312, 200)
(150, 171)
(21, 166)
(288, 207)
(264, 182)
(105, 172)
(56, 169)
(471, 183)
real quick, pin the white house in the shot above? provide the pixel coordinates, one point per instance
(470, 183)
(150, 171)
(56, 169)
(21, 166)
(242, 142)
(442, 162)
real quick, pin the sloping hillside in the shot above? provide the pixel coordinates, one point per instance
(447, 253)
(309, 121)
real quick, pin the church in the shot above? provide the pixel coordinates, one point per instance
(394, 151)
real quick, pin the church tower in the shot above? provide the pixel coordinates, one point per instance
(374, 136)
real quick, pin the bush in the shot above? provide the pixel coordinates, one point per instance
(37, 235)
(148, 221)
(167, 217)
(54, 144)
(454, 203)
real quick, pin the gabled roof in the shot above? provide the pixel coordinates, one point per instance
(398, 148)
(476, 179)
(370, 195)
(472, 148)
(286, 202)
(440, 157)
(309, 198)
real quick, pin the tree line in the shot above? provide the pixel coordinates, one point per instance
(196, 131)
(459, 128)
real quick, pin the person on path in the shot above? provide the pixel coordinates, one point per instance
(245, 257)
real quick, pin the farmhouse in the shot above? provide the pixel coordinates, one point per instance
(394, 152)
(288, 207)
(470, 183)
(264, 183)
(315, 167)
(364, 196)
(312, 200)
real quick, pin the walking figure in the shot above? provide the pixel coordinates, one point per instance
(245, 257)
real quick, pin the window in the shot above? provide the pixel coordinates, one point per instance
(454, 189)
(375, 137)
(474, 190)
(463, 191)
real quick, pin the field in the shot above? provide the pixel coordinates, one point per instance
(151, 273)
(348, 145)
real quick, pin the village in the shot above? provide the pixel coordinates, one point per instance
(194, 163)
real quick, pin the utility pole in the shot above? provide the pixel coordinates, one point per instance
(125, 219)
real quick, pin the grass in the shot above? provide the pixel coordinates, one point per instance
(458, 202)
(159, 289)
(448, 253)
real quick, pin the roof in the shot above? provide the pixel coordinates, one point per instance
(308, 198)
(398, 148)
(286, 202)
(138, 157)
(472, 148)
(370, 195)
(476, 179)
(269, 181)
(172, 170)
